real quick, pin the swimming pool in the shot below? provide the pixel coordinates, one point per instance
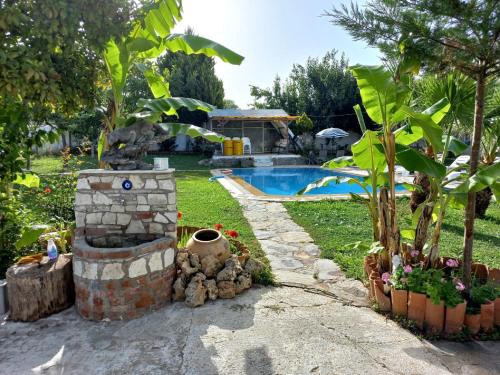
(289, 181)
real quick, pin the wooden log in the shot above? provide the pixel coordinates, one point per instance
(37, 290)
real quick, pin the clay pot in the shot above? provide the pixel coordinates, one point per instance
(209, 242)
(487, 316)
(384, 302)
(434, 316)
(473, 323)
(480, 271)
(497, 311)
(369, 264)
(374, 275)
(416, 308)
(455, 318)
(399, 299)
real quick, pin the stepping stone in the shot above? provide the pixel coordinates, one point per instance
(280, 263)
(295, 237)
(326, 269)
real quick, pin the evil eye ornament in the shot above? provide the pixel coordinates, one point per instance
(127, 184)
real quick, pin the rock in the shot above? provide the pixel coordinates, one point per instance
(195, 261)
(180, 288)
(227, 274)
(326, 269)
(182, 256)
(196, 291)
(243, 281)
(254, 266)
(233, 263)
(186, 268)
(212, 291)
(210, 266)
(227, 289)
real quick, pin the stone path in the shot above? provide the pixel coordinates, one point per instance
(293, 255)
(264, 331)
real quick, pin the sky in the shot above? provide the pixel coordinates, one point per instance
(272, 35)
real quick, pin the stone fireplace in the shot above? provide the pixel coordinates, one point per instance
(124, 246)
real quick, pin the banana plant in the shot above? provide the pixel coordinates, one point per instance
(149, 38)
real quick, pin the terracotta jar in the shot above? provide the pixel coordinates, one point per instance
(473, 323)
(494, 275)
(374, 275)
(370, 264)
(487, 316)
(497, 311)
(416, 308)
(399, 299)
(209, 242)
(455, 316)
(434, 316)
(383, 301)
(480, 271)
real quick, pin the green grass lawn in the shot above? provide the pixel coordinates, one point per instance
(332, 224)
(53, 164)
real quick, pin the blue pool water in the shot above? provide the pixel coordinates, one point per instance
(289, 181)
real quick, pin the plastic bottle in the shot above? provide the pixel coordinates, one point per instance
(51, 250)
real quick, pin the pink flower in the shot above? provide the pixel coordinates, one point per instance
(415, 253)
(459, 286)
(385, 277)
(452, 263)
(407, 268)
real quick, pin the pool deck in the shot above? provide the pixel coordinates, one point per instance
(240, 188)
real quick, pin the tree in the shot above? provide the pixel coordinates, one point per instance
(150, 37)
(229, 104)
(322, 88)
(461, 34)
(192, 76)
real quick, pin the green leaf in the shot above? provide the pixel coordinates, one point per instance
(432, 132)
(340, 162)
(483, 178)
(191, 130)
(30, 236)
(408, 233)
(366, 154)
(455, 145)
(407, 135)
(156, 83)
(359, 115)
(411, 187)
(438, 110)
(381, 95)
(117, 61)
(169, 106)
(100, 144)
(193, 44)
(358, 198)
(416, 161)
(28, 179)
(325, 181)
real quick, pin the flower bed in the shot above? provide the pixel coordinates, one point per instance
(433, 298)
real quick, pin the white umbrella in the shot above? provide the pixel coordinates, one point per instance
(332, 133)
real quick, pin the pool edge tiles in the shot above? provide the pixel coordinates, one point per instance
(238, 187)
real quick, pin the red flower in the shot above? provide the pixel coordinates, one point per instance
(232, 233)
(47, 190)
(179, 215)
(218, 226)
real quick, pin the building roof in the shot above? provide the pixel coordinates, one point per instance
(250, 114)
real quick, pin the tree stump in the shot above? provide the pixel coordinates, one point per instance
(37, 290)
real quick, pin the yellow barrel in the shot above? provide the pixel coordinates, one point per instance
(238, 147)
(228, 147)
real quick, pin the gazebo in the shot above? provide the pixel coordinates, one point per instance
(267, 129)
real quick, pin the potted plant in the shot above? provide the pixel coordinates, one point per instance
(434, 306)
(416, 297)
(455, 306)
(483, 296)
(472, 318)
(382, 289)
(399, 292)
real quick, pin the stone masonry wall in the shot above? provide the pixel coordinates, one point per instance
(123, 283)
(109, 215)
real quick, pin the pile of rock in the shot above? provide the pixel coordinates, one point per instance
(198, 280)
